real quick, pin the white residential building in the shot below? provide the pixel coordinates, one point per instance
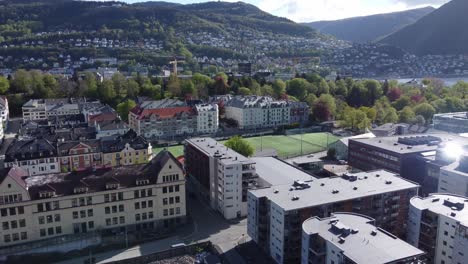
(220, 174)
(4, 110)
(453, 178)
(352, 238)
(438, 224)
(54, 207)
(258, 112)
(41, 109)
(207, 118)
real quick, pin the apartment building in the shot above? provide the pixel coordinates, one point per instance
(109, 201)
(451, 122)
(438, 224)
(417, 158)
(80, 155)
(207, 118)
(252, 112)
(36, 156)
(454, 177)
(110, 128)
(126, 150)
(220, 175)
(4, 110)
(300, 112)
(353, 238)
(276, 213)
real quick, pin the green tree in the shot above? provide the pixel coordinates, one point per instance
(406, 115)
(173, 86)
(391, 115)
(188, 89)
(374, 91)
(425, 110)
(22, 82)
(4, 85)
(402, 102)
(370, 112)
(355, 119)
(202, 84)
(323, 88)
(279, 88)
(133, 88)
(266, 90)
(310, 100)
(106, 91)
(298, 88)
(341, 88)
(244, 91)
(124, 108)
(120, 85)
(91, 85)
(240, 145)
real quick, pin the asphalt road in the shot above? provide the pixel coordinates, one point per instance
(207, 225)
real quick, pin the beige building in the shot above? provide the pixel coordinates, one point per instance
(129, 198)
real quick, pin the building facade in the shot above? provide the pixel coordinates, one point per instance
(438, 225)
(253, 112)
(4, 110)
(451, 122)
(80, 155)
(454, 177)
(124, 199)
(300, 112)
(352, 238)
(220, 174)
(126, 150)
(207, 118)
(276, 214)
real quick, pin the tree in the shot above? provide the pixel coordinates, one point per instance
(324, 108)
(188, 89)
(406, 115)
(91, 85)
(133, 88)
(394, 94)
(266, 90)
(244, 91)
(425, 110)
(298, 88)
(374, 91)
(370, 112)
(124, 108)
(173, 86)
(310, 100)
(356, 95)
(240, 145)
(4, 85)
(341, 88)
(355, 119)
(419, 120)
(402, 102)
(279, 88)
(106, 91)
(22, 82)
(323, 88)
(202, 84)
(120, 85)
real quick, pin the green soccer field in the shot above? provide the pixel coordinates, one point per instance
(286, 146)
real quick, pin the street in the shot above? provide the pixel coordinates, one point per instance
(207, 225)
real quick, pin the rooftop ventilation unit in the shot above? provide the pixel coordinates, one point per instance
(388, 182)
(373, 233)
(295, 198)
(435, 200)
(275, 191)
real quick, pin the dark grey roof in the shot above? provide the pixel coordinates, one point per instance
(30, 149)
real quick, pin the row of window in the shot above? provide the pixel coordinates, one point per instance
(14, 224)
(171, 211)
(171, 200)
(15, 237)
(49, 219)
(82, 213)
(114, 209)
(170, 178)
(11, 198)
(48, 206)
(143, 204)
(170, 189)
(112, 197)
(115, 220)
(143, 193)
(82, 201)
(11, 211)
(144, 216)
(50, 231)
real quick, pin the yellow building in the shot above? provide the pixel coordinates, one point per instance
(125, 150)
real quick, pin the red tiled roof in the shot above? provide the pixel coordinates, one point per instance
(102, 117)
(162, 112)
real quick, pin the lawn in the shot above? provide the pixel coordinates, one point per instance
(286, 146)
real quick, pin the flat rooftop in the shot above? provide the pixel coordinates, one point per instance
(359, 239)
(334, 189)
(278, 172)
(419, 143)
(213, 148)
(450, 205)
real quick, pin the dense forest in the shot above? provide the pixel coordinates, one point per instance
(356, 103)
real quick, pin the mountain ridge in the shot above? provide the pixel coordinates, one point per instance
(369, 28)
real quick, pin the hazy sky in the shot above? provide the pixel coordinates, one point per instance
(313, 10)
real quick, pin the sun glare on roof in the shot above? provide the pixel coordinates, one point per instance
(453, 150)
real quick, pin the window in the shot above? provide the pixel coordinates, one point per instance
(107, 210)
(89, 200)
(165, 212)
(165, 201)
(171, 200)
(82, 201)
(121, 208)
(150, 203)
(108, 221)
(177, 210)
(15, 237)
(12, 211)
(14, 224)
(143, 204)
(171, 189)
(5, 225)
(57, 218)
(177, 199)
(150, 192)
(137, 205)
(41, 220)
(164, 189)
(136, 194)
(143, 193)
(150, 215)
(58, 230)
(74, 202)
(122, 220)
(114, 209)
(6, 238)
(137, 217)
(115, 220)
(24, 235)
(49, 219)
(91, 224)
(20, 210)
(90, 212)
(106, 198)
(171, 211)
(42, 232)
(50, 231)
(176, 188)
(143, 216)
(120, 194)
(75, 215)
(22, 223)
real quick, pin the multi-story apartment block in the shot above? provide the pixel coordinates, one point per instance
(438, 224)
(220, 174)
(168, 118)
(123, 199)
(207, 118)
(300, 112)
(451, 122)
(36, 156)
(4, 110)
(126, 150)
(276, 214)
(417, 158)
(80, 155)
(454, 177)
(41, 109)
(352, 238)
(258, 112)
(110, 128)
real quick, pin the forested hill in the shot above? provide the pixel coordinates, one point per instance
(369, 28)
(151, 19)
(443, 31)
